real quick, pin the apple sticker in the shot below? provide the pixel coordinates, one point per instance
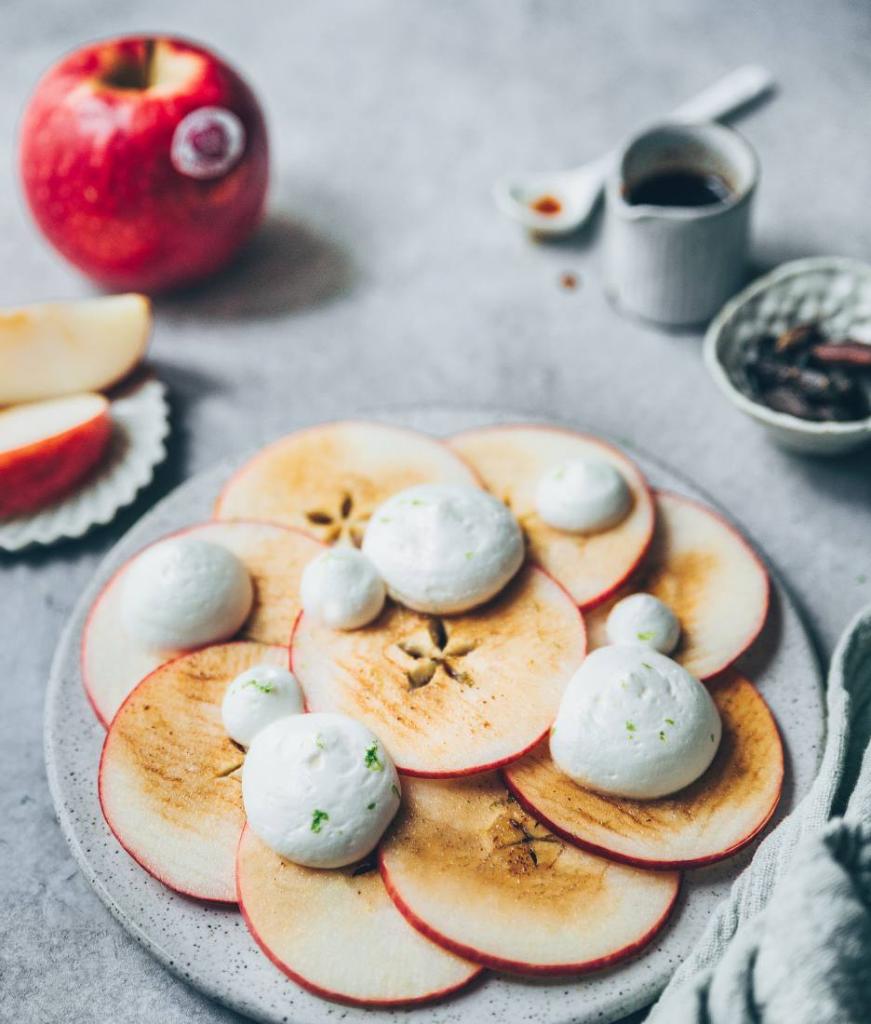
(207, 143)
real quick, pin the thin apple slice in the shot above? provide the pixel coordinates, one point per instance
(474, 872)
(512, 459)
(711, 579)
(338, 934)
(711, 819)
(60, 348)
(169, 782)
(46, 448)
(329, 479)
(450, 696)
(274, 556)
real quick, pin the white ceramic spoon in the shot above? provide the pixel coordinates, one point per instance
(576, 191)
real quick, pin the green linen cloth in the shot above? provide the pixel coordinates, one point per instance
(791, 944)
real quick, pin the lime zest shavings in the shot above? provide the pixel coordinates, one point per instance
(371, 759)
(318, 819)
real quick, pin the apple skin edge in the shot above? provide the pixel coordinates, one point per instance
(476, 769)
(137, 857)
(338, 997)
(104, 803)
(765, 606)
(97, 174)
(640, 862)
(265, 453)
(517, 967)
(103, 715)
(37, 474)
(647, 491)
(457, 773)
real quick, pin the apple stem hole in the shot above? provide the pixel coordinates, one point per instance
(131, 73)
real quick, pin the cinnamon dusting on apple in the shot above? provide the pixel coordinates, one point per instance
(682, 582)
(522, 843)
(442, 693)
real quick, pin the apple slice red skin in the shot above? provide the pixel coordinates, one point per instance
(338, 997)
(640, 862)
(27, 484)
(501, 762)
(100, 716)
(136, 856)
(649, 493)
(763, 613)
(677, 864)
(265, 453)
(463, 773)
(754, 633)
(611, 590)
(478, 769)
(514, 966)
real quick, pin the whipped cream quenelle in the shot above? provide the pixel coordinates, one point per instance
(634, 723)
(444, 548)
(583, 496)
(319, 789)
(342, 589)
(258, 697)
(183, 593)
(643, 619)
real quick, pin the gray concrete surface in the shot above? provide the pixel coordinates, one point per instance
(384, 277)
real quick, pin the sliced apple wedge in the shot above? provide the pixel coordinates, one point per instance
(60, 348)
(338, 934)
(329, 479)
(46, 448)
(711, 579)
(450, 696)
(274, 556)
(511, 461)
(711, 819)
(474, 872)
(169, 782)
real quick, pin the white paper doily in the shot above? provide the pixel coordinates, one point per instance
(140, 424)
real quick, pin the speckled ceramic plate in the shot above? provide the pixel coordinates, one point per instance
(211, 948)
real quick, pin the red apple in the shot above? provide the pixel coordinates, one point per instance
(46, 448)
(145, 161)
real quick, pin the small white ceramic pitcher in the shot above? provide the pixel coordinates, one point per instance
(677, 265)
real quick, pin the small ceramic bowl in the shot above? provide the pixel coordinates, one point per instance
(833, 291)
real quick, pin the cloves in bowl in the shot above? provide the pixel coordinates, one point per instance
(808, 374)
